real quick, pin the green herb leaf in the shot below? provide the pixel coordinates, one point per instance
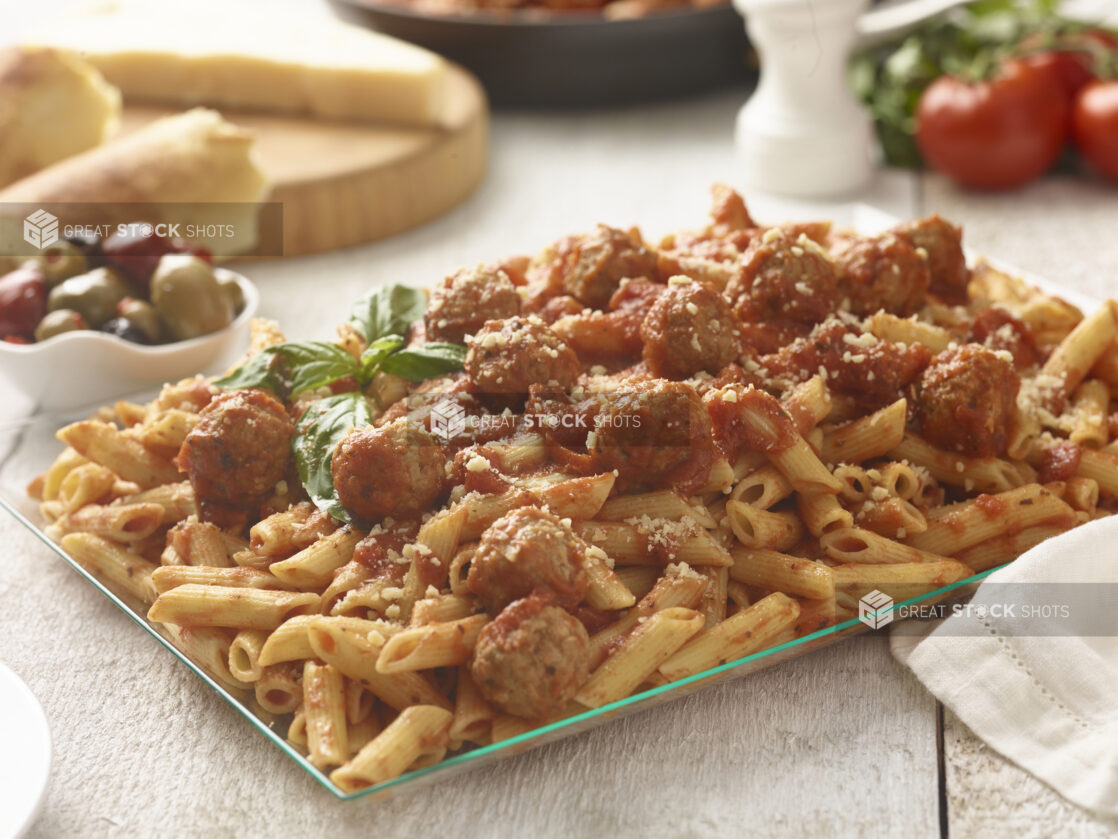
(318, 432)
(315, 364)
(258, 371)
(372, 358)
(388, 310)
(425, 361)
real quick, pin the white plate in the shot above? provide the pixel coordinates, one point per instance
(26, 764)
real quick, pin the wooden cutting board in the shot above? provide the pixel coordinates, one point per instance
(347, 183)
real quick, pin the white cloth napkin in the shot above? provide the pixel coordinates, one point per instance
(1047, 702)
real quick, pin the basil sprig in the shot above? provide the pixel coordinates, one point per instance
(383, 317)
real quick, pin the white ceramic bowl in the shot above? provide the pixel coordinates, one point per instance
(86, 367)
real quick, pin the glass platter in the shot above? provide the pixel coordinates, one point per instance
(28, 446)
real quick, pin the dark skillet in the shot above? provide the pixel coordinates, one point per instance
(544, 59)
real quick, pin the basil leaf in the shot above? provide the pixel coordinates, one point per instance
(388, 310)
(318, 432)
(258, 371)
(425, 361)
(316, 364)
(374, 356)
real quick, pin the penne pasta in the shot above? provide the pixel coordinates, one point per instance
(775, 571)
(431, 645)
(416, 732)
(238, 608)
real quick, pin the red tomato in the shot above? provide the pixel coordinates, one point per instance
(994, 134)
(23, 302)
(1070, 60)
(1095, 125)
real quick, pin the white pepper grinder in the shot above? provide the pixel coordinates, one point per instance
(803, 133)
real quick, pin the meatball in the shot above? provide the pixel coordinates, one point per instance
(884, 272)
(532, 659)
(690, 328)
(590, 267)
(525, 550)
(466, 299)
(238, 451)
(507, 356)
(943, 244)
(966, 400)
(1000, 330)
(656, 435)
(395, 470)
(782, 278)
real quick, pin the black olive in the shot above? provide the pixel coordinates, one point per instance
(124, 328)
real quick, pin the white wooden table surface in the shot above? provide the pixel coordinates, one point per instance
(843, 742)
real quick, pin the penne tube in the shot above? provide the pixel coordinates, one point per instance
(757, 528)
(237, 608)
(960, 526)
(440, 535)
(115, 522)
(680, 586)
(432, 645)
(506, 726)
(439, 608)
(346, 579)
(361, 733)
(1082, 494)
(745, 633)
(68, 460)
(900, 479)
(290, 531)
(856, 483)
(166, 431)
(808, 404)
(168, 577)
(775, 571)
(712, 605)
(578, 498)
(719, 479)
(866, 438)
(209, 648)
(815, 615)
(244, 654)
(356, 656)
(290, 641)
(324, 712)
(199, 543)
(984, 474)
(900, 581)
(605, 590)
(104, 444)
(1102, 468)
(762, 488)
(314, 566)
(857, 545)
(821, 513)
(89, 483)
(459, 566)
(473, 716)
(416, 732)
(359, 704)
(900, 330)
(176, 500)
(1081, 349)
(297, 730)
(654, 542)
(278, 690)
(1089, 411)
(662, 504)
(892, 517)
(113, 563)
(639, 655)
(1007, 547)
(803, 468)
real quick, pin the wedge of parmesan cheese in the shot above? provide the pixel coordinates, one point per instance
(237, 55)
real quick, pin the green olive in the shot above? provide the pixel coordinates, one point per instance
(57, 322)
(142, 316)
(94, 295)
(61, 261)
(188, 297)
(232, 289)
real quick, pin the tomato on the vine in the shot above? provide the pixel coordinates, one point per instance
(1070, 58)
(1095, 125)
(997, 133)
